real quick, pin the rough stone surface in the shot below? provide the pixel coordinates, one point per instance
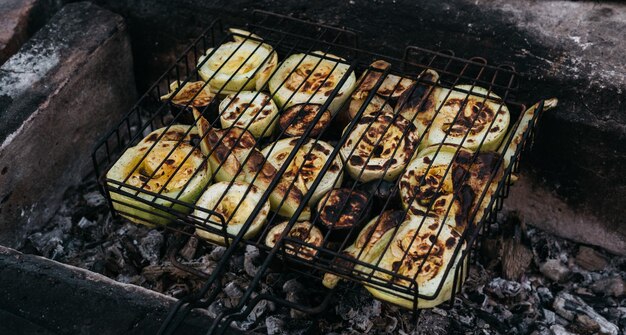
(569, 49)
(539, 206)
(15, 16)
(69, 84)
(113, 307)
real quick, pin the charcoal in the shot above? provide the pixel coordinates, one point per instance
(575, 309)
(215, 309)
(590, 259)
(252, 253)
(49, 244)
(217, 253)
(549, 316)
(545, 295)
(85, 223)
(503, 289)
(555, 270)
(292, 286)
(560, 330)
(612, 286)
(150, 246)
(275, 325)
(188, 252)
(234, 294)
(177, 290)
(115, 262)
(94, 199)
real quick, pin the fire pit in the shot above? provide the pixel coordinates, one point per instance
(429, 85)
(514, 278)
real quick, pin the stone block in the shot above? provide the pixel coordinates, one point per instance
(67, 86)
(81, 301)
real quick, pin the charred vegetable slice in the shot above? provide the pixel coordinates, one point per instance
(342, 208)
(422, 251)
(379, 146)
(244, 64)
(191, 94)
(175, 170)
(306, 165)
(371, 235)
(448, 179)
(419, 102)
(476, 110)
(303, 78)
(233, 155)
(235, 203)
(376, 105)
(297, 118)
(301, 231)
(174, 133)
(254, 111)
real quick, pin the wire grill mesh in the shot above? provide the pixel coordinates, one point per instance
(151, 191)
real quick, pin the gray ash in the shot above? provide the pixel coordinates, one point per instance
(526, 281)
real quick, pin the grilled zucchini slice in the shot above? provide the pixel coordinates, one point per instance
(379, 146)
(173, 169)
(235, 203)
(311, 78)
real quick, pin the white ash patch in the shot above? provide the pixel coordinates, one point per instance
(26, 68)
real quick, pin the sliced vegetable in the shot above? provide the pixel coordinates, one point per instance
(244, 64)
(306, 165)
(379, 146)
(194, 94)
(311, 78)
(420, 101)
(448, 179)
(173, 133)
(343, 209)
(297, 118)
(376, 105)
(236, 157)
(371, 235)
(475, 117)
(235, 203)
(254, 111)
(174, 170)
(421, 251)
(301, 231)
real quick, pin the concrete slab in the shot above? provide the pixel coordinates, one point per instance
(64, 88)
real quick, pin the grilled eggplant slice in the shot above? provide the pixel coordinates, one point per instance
(233, 155)
(303, 78)
(172, 169)
(194, 94)
(297, 118)
(419, 102)
(379, 146)
(394, 86)
(343, 209)
(302, 231)
(376, 105)
(254, 111)
(422, 251)
(244, 64)
(309, 159)
(453, 180)
(235, 203)
(174, 133)
(371, 235)
(476, 110)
